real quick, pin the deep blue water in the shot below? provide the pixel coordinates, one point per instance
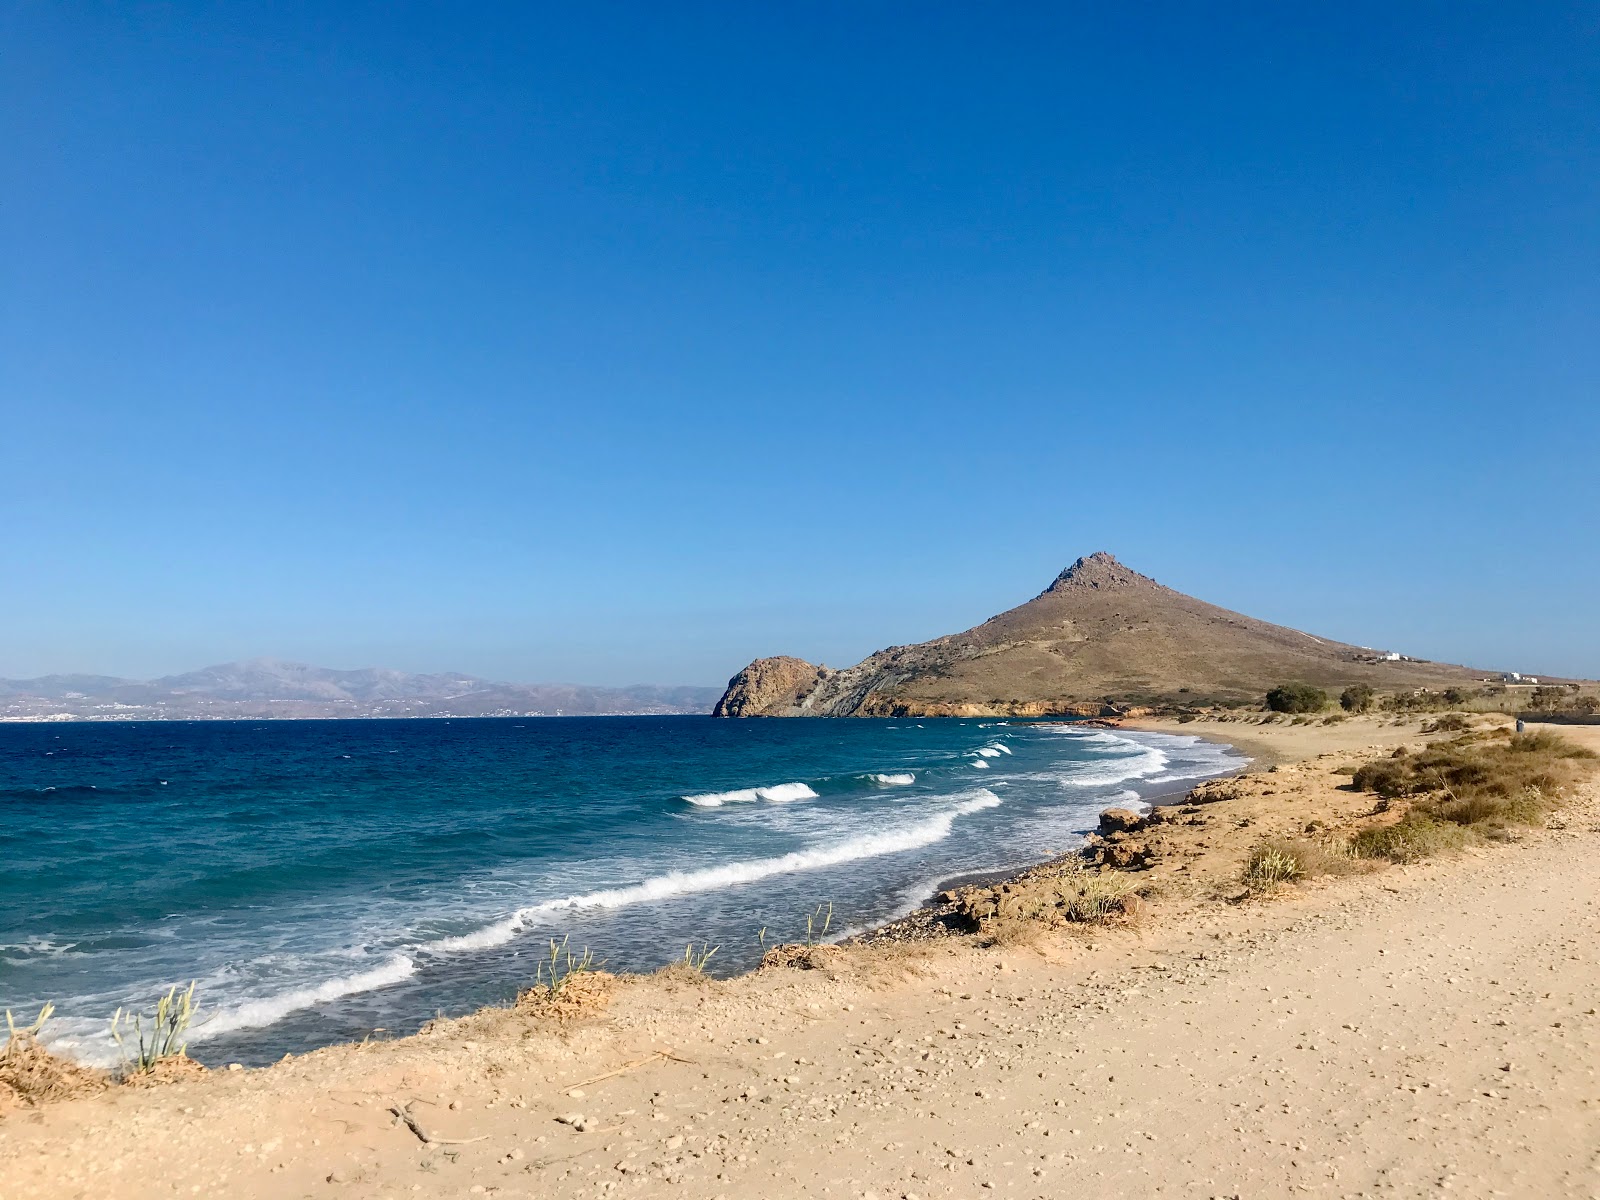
(321, 879)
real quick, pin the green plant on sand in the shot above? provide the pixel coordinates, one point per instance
(562, 966)
(818, 924)
(696, 960)
(165, 1037)
(1285, 860)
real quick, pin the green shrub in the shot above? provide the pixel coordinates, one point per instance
(1465, 786)
(1356, 698)
(1388, 777)
(1416, 836)
(1297, 698)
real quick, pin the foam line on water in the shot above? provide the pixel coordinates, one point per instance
(254, 1014)
(897, 779)
(88, 1042)
(778, 793)
(710, 879)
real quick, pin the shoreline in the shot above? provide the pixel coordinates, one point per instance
(257, 1047)
(933, 1067)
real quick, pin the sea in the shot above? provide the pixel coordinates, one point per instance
(325, 881)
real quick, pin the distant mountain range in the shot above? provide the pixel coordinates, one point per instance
(266, 687)
(1099, 637)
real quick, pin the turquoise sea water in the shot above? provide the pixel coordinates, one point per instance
(322, 879)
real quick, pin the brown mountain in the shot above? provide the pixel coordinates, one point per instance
(1101, 633)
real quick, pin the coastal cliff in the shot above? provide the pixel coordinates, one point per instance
(1100, 639)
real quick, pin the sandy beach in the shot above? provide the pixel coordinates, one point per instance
(1402, 1029)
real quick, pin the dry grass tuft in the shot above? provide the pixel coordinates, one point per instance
(31, 1075)
(1285, 861)
(581, 995)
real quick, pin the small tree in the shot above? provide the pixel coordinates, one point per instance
(1297, 698)
(1546, 699)
(1356, 698)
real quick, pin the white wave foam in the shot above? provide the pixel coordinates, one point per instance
(711, 879)
(980, 764)
(999, 747)
(988, 752)
(254, 1014)
(779, 793)
(87, 1041)
(900, 779)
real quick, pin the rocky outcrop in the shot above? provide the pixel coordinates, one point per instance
(768, 687)
(1120, 820)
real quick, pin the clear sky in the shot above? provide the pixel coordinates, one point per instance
(625, 343)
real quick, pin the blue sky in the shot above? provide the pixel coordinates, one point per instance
(625, 343)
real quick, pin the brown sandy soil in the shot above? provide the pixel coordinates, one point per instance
(1404, 1030)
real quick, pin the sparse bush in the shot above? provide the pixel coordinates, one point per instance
(1416, 836)
(1467, 786)
(1356, 698)
(1297, 698)
(1390, 778)
(1548, 699)
(1449, 723)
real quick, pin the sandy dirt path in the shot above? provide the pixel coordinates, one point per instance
(1418, 1031)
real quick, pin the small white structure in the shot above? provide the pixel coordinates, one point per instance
(1510, 677)
(1390, 656)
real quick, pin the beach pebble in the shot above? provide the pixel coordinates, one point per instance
(576, 1120)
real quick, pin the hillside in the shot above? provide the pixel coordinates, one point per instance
(266, 687)
(1099, 633)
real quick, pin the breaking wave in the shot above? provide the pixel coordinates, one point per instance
(711, 879)
(900, 779)
(779, 793)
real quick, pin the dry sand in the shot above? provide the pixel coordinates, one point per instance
(1406, 1031)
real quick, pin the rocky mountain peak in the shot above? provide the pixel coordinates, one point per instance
(1099, 571)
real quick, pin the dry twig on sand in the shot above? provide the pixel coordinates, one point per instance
(635, 1064)
(403, 1114)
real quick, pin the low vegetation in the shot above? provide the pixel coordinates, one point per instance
(1068, 893)
(1465, 788)
(1297, 698)
(567, 985)
(30, 1074)
(1284, 861)
(563, 966)
(166, 1037)
(1357, 698)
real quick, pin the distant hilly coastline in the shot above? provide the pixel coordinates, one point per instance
(1100, 638)
(271, 688)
